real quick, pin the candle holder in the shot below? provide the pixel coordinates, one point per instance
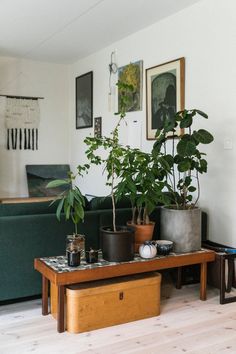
(73, 250)
(92, 256)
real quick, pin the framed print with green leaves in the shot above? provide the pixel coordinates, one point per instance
(164, 94)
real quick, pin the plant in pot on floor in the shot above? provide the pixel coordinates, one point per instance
(71, 205)
(117, 241)
(181, 218)
(142, 179)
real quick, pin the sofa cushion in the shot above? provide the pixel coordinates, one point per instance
(100, 203)
(17, 209)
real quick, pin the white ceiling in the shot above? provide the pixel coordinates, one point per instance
(64, 31)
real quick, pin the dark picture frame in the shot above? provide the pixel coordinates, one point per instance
(98, 127)
(84, 100)
(164, 90)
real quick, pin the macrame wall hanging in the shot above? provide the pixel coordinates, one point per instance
(22, 117)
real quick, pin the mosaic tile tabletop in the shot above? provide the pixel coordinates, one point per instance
(59, 263)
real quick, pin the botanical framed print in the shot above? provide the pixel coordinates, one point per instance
(133, 74)
(164, 93)
(98, 127)
(84, 100)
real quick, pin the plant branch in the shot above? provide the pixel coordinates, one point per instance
(113, 200)
(198, 185)
(76, 228)
(173, 154)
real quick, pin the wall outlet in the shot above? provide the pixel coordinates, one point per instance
(228, 144)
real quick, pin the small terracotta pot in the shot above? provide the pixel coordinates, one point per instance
(142, 233)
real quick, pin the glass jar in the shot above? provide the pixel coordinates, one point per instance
(73, 255)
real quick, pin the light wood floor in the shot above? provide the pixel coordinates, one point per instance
(186, 325)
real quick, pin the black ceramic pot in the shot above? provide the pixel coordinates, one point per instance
(164, 247)
(117, 246)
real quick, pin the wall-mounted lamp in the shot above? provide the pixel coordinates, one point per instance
(113, 69)
(113, 66)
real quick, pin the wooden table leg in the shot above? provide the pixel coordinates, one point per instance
(61, 308)
(44, 296)
(179, 278)
(230, 274)
(203, 281)
(222, 280)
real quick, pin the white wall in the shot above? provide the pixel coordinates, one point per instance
(205, 34)
(30, 78)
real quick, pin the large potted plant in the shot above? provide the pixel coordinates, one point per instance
(117, 241)
(142, 180)
(71, 203)
(181, 218)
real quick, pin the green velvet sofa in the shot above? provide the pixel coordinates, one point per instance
(31, 230)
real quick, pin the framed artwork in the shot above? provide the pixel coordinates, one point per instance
(38, 176)
(98, 127)
(84, 100)
(164, 91)
(133, 74)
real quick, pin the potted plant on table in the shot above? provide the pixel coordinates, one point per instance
(181, 218)
(71, 204)
(117, 241)
(142, 180)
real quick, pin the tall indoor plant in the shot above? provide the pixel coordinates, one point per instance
(181, 219)
(142, 180)
(117, 241)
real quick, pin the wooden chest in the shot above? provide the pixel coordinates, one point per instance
(111, 302)
(104, 303)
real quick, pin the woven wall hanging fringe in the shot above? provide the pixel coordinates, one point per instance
(22, 121)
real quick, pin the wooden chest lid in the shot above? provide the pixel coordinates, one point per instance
(114, 284)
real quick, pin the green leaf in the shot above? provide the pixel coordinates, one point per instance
(169, 159)
(187, 181)
(79, 211)
(178, 159)
(203, 136)
(68, 208)
(189, 197)
(77, 190)
(186, 137)
(178, 117)
(158, 132)
(186, 122)
(164, 163)
(192, 189)
(169, 125)
(184, 166)
(70, 197)
(57, 183)
(203, 114)
(186, 148)
(203, 166)
(59, 208)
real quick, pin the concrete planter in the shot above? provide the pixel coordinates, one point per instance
(183, 227)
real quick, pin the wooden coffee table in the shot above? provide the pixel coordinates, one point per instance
(55, 270)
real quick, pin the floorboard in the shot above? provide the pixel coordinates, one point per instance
(186, 325)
